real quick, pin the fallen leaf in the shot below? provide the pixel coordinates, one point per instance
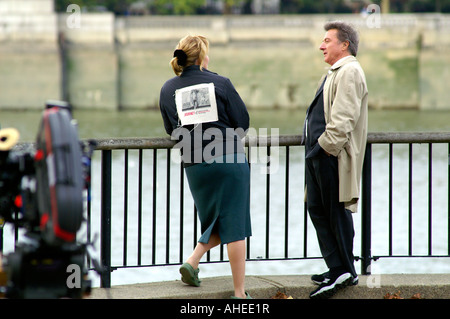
(393, 296)
(397, 296)
(281, 295)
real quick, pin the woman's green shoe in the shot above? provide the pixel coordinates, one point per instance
(247, 296)
(189, 275)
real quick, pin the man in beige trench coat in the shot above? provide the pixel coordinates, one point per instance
(335, 135)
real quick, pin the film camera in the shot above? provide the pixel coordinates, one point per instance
(41, 191)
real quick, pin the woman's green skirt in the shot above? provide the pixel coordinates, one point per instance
(221, 192)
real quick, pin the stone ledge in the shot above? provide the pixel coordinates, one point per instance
(429, 286)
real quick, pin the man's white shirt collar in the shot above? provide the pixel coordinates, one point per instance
(339, 63)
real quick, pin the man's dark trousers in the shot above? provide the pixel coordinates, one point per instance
(333, 223)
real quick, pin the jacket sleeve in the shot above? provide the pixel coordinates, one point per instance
(236, 109)
(168, 125)
(345, 111)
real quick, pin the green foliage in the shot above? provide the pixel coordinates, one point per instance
(116, 6)
(188, 7)
(314, 6)
(178, 7)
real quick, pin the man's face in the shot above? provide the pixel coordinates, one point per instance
(332, 48)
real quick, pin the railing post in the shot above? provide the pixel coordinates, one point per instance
(366, 217)
(105, 241)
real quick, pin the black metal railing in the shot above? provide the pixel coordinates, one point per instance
(288, 152)
(143, 211)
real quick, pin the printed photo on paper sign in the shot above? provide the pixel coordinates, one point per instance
(196, 104)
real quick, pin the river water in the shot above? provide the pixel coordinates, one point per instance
(105, 124)
(110, 124)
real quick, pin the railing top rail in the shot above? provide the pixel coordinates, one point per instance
(282, 140)
(134, 143)
(408, 137)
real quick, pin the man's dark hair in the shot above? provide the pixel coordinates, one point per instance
(345, 33)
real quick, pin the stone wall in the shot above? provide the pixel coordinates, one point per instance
(274, 61)
(106, 62)
(29, 59)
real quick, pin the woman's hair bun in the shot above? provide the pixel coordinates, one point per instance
(181, 57)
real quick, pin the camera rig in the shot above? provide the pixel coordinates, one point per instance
(41, 191)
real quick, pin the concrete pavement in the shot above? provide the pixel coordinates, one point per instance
(426, 286)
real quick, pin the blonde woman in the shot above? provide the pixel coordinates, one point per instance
(213, 156)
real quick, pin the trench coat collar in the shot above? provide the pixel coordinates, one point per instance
(341, 62)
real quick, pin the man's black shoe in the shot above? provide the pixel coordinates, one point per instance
(331, 285)
(320, 278)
